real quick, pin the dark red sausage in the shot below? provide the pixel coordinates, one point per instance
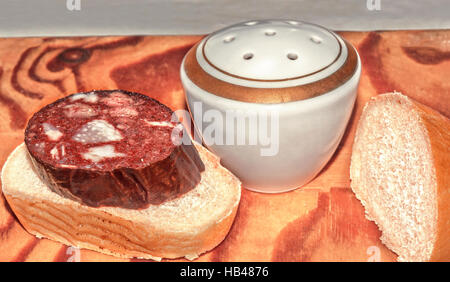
(111, 148)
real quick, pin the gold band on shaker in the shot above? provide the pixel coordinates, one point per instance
(268, 95)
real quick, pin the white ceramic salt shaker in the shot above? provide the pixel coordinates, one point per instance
(272, 99)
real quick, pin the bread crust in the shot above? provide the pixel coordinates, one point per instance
(101, 231)
(78, 225)
(437, 128)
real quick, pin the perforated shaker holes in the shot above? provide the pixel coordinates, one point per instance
(270, 50)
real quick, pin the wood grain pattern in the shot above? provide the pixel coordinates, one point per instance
(322, 221)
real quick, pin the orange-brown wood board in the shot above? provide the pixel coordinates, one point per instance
(322, 221)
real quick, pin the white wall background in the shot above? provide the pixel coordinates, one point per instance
(119, 17)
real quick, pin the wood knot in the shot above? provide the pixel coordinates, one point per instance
(74, 55)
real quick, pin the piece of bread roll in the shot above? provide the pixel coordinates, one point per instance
(400, 171)
(183, 227)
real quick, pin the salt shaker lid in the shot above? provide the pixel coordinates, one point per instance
(271, 61)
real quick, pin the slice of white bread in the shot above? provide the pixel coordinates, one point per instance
(400, 171)
(184, 227)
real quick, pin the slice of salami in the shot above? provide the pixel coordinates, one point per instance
(111, 148)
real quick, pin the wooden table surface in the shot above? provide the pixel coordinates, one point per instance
(323, 221)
